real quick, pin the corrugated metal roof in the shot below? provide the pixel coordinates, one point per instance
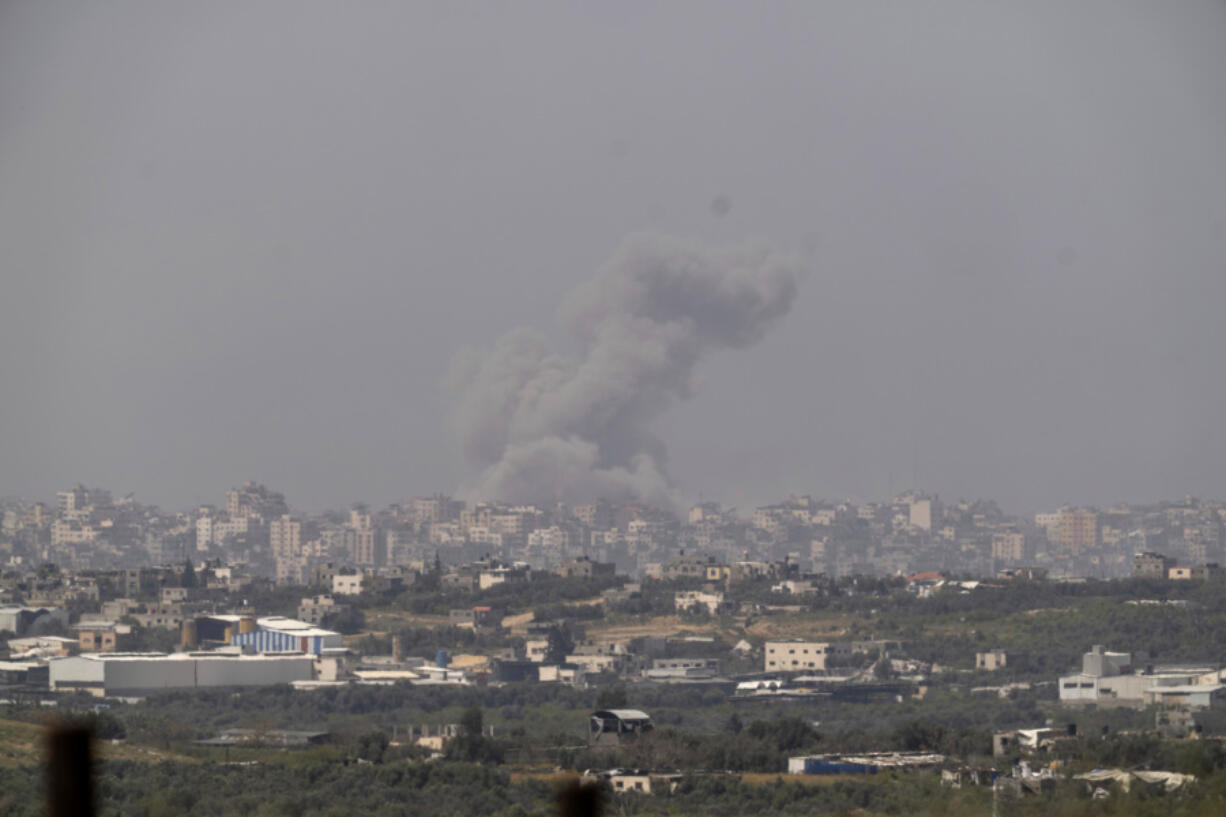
(626, 714)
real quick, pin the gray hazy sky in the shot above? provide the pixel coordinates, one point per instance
(246, 240)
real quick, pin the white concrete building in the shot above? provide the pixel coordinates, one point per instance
(136, 674)
(991, 660)
(712, 601)
(800, 656)
(1110, 679)
(348, 584)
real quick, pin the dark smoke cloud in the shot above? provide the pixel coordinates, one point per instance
(536, 426)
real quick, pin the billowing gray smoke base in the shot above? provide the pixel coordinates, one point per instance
(539, 427)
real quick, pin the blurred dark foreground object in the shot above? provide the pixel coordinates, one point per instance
(70, 791)
(579, 800)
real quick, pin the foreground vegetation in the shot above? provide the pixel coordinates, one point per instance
(325, 789)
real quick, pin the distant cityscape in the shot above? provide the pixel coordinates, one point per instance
(258, 534)
(867, 613)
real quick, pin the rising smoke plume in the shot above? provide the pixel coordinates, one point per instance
(536, 426)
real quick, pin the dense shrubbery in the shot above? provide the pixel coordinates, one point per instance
(425, 642)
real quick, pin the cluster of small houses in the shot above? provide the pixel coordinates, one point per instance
(240, 650)
(235, 650)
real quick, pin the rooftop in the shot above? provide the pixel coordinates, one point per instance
(182, 656)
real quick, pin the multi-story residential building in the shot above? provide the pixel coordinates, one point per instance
(924, 513)
(1076, 529)
(291, 569)
(437, 508)
(554, 537)
(211, 531)
(686, 566)
(254, 499)
(204, 531)
(73, 501)
(402, 547)
(285, 536)
(1049, 522)
(1009, 546)
(315, 608)
(365, 550)
(348, 584)
(594, 515)
(165, 616)
(1151, 565)
(72, 532)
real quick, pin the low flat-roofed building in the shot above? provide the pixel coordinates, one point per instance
(665, 669)
(561, 674)
(41, 646)
(991, 660)
(1110, 679)
(314, 609)
(1189, 695)
(518, 572)
(867, 763)
(21, 620)
(594, 664)
(536, 649)
(1195, 573)
(137, 674)
(284, 738)
(585, 568)
(23, 673)
(636, 781)
(103, 636)
(712, 601)
(474, 617)
(801, 656)
(348, 584)
(1025, 740)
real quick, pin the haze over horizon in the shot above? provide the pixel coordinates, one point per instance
(247, 242)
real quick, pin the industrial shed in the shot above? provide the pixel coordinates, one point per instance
(611, 725)
(277, 634)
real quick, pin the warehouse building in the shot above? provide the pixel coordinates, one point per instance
(280, 634)
(137, 674)
(268, 634)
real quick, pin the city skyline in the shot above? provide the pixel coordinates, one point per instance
(259, 531)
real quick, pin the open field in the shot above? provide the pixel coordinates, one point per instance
(23, 744)
(20, 743)
(730, 629)
(762, 778)
(381, 621)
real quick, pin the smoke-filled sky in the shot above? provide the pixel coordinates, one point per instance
(252, 240)
(541, 427)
